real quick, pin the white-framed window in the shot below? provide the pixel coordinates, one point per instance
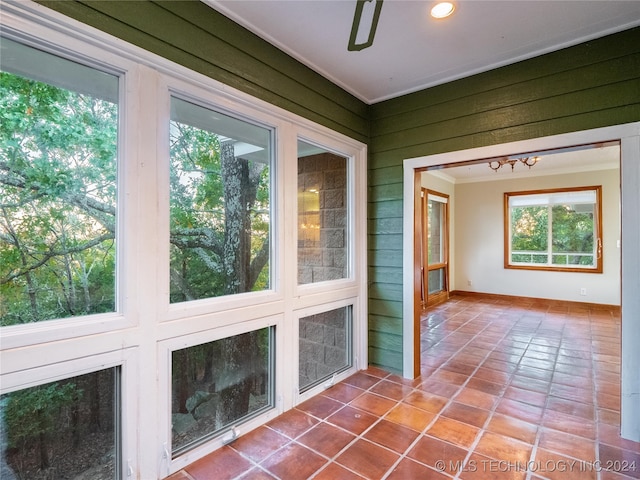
(222, 383)
(165, 198)
(556, 229)
(325, 346)
(60, 164)
(325, 184)
(220, 203)
(71, 417)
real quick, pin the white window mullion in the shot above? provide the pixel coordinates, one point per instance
(287, 174)
(144, 228)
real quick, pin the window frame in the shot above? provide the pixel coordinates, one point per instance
(598, 247)
(444, 200)
(203, 99)
(126, 388)
(172, 86)
(58, 44)
(171, 464)
(352, 223)
(349, 207)
(319, 387)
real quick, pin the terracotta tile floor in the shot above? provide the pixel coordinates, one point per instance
(508, 390)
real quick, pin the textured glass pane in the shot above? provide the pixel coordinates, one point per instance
(325, 346)
(218, 384)
(64, 429)
(220, 205)
(322, 215)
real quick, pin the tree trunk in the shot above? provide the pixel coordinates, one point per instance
(44, 453)
(75, 424)
(239, 194)
(240, 183)
(84, 280)
(69, 290)
(94, 411)
(182, 362)
(31, 288)
(236, 359)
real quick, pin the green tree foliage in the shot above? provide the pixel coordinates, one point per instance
(219, 217)
(31, 415)
(58, 156)
(60, 429)
(57, 202)
(572, 233)
(529, 228)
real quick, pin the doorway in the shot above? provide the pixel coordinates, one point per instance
(629, 137)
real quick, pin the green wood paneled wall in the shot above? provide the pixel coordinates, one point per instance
(193, 34)
(591, 85)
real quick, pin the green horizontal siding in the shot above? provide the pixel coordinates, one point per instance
(529, 94)
(571, 104)
(198, 37)
(501, 80)
(384, 176)
(591, 85)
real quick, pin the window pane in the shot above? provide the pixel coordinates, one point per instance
(58, 158)
(573, 234)
(220, 205)
(529, 228)
(435, 231)
(556, 228)
(325, 346)
(541, 258)
(436, 281)
(64, 429)
(322, 215)
(218, 384)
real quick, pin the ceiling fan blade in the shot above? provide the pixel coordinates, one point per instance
(357, 19)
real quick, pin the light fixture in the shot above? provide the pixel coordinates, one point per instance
(528, 161)
(442, 9)
(368, 26)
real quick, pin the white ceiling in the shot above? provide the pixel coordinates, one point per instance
(411, 50)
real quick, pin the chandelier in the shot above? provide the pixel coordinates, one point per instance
(528, 161)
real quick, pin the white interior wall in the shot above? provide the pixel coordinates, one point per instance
(479, 244)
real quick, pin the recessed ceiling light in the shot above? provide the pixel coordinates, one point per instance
(442, 9)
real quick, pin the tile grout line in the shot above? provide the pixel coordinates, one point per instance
(594, 392)
(450, 400)
(492, 412)
(540, 426)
